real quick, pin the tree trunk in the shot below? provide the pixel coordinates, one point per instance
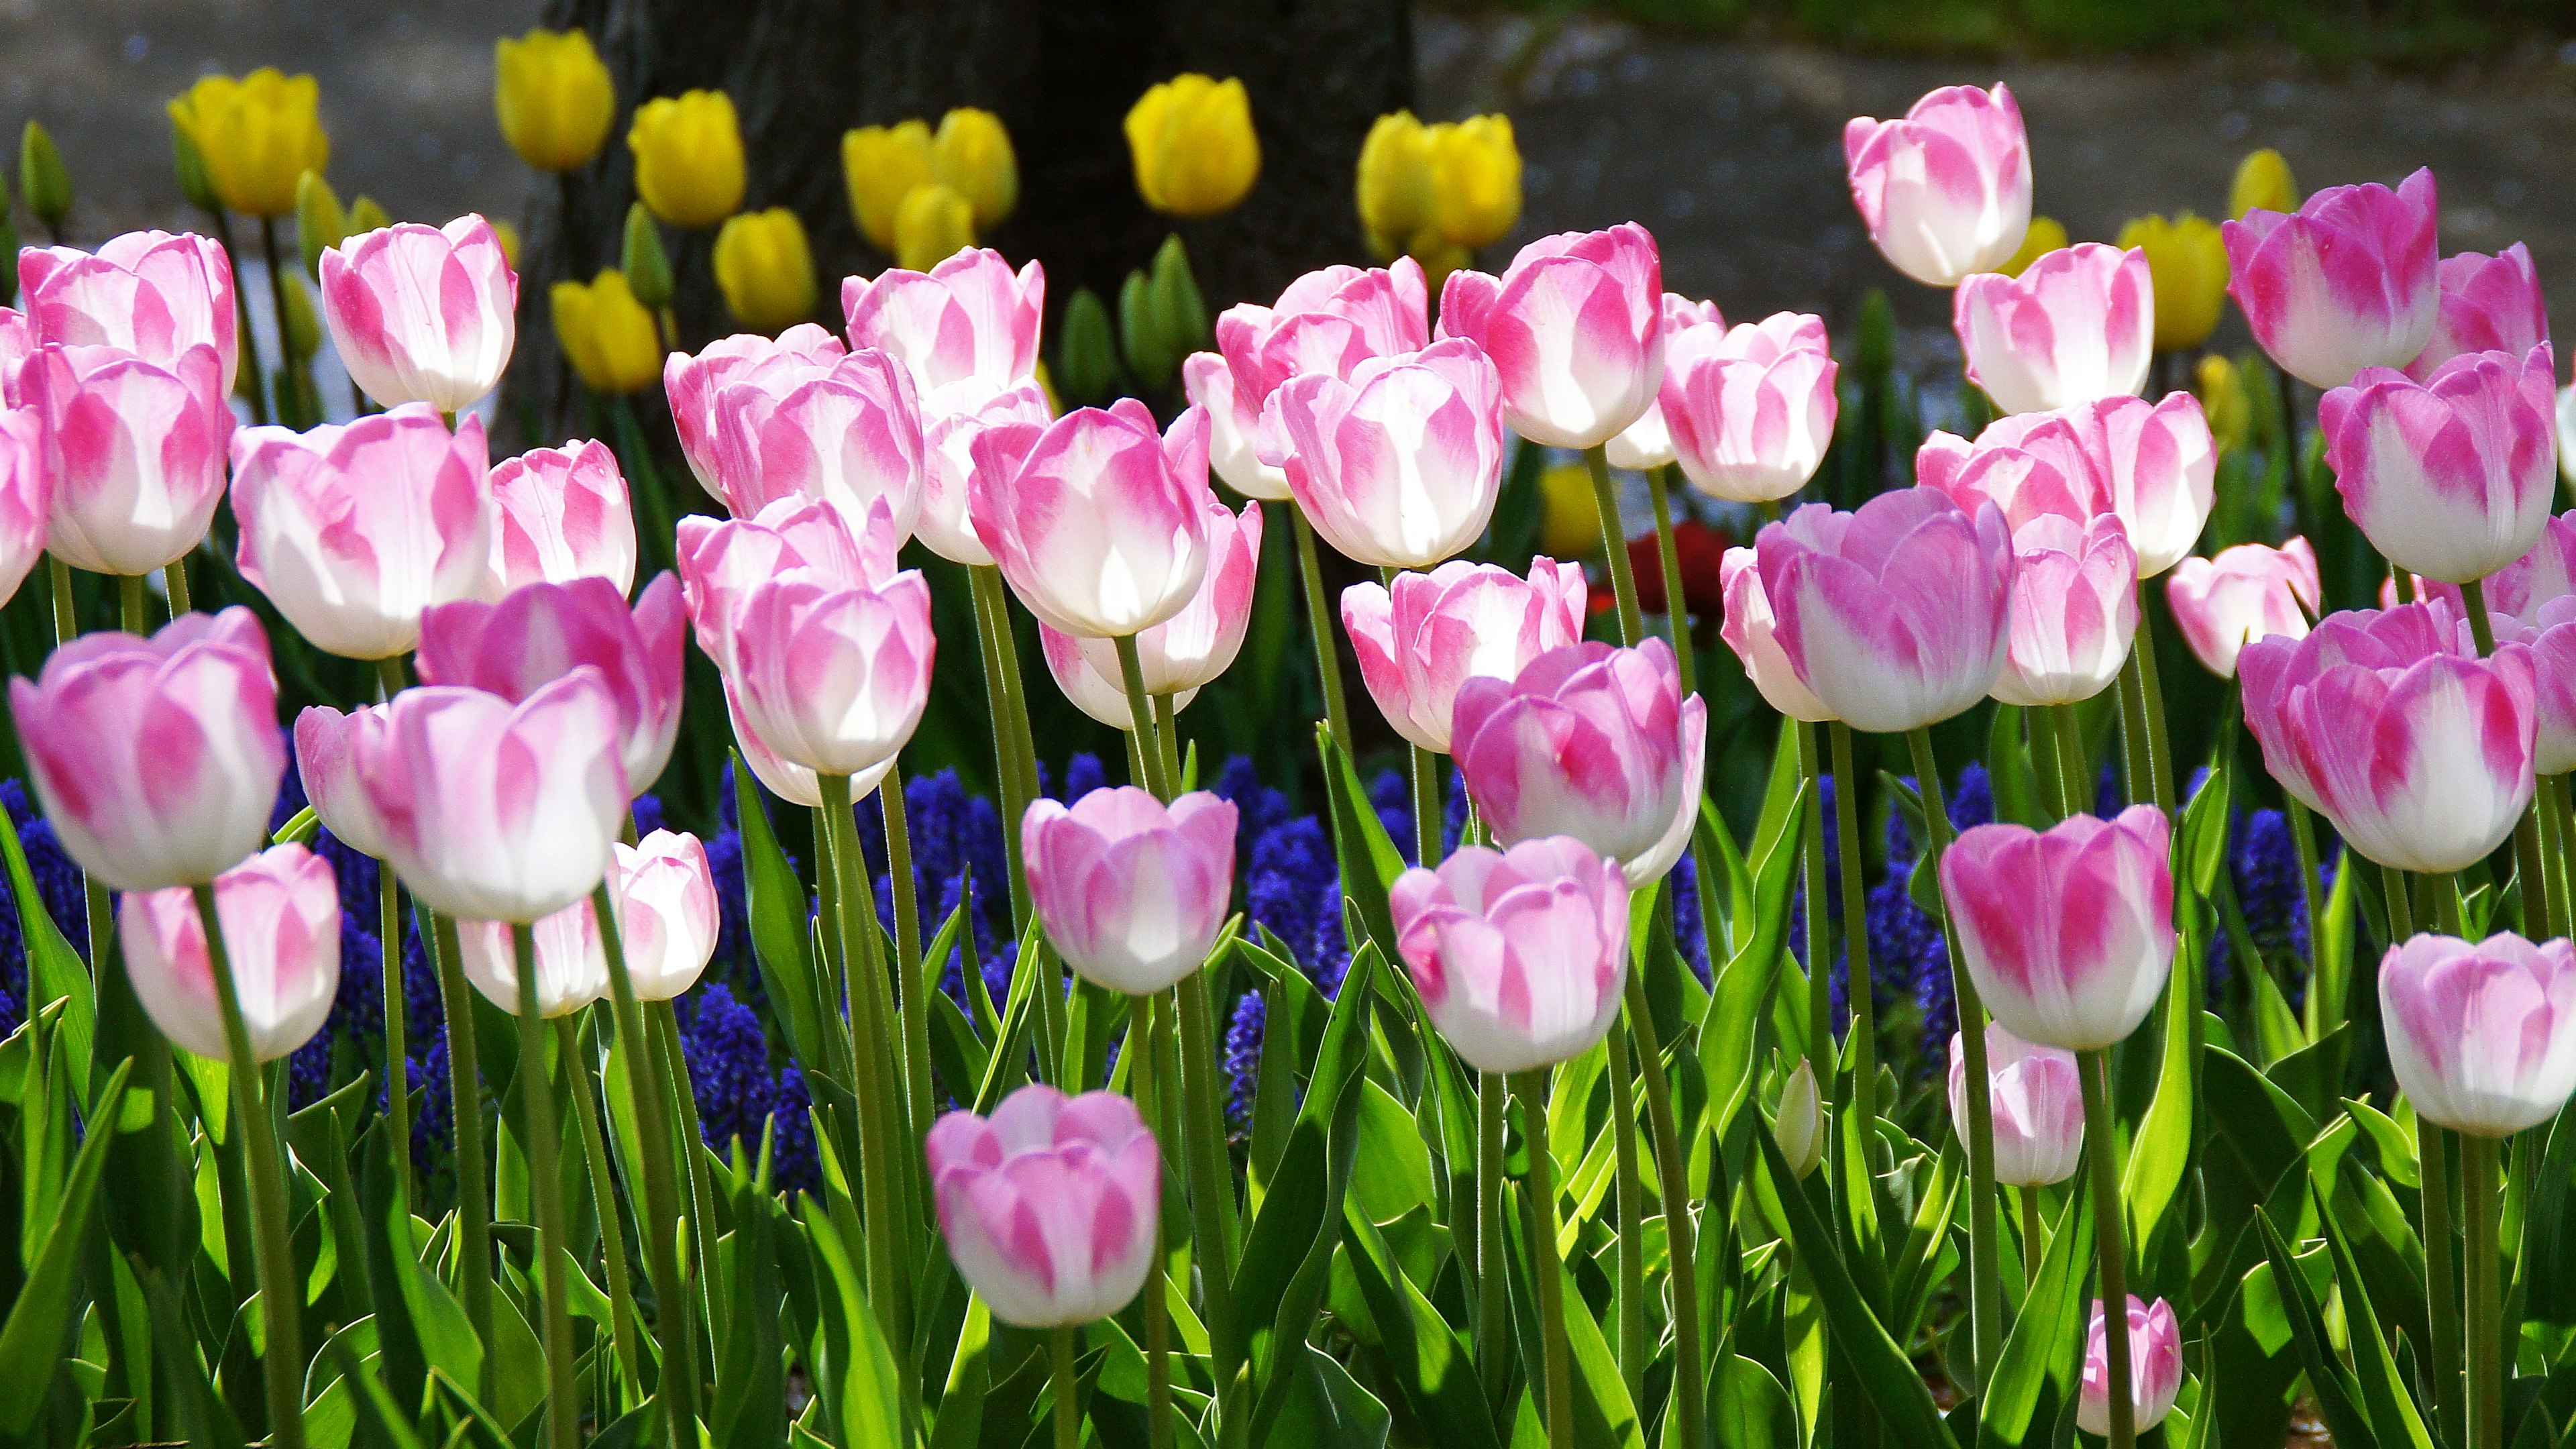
(1061, 75)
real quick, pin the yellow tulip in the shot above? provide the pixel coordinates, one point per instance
(765, 270)
(688, 158)
(1393, 188)
(1439, 259)
(554, 96)
(2221, 386)
(2046, 235)
(1475, 180)
(508, 236)
(972, 156)
(1569, 518)
(607, 335)
(2189, 263)
(256, 135)
(1196, 154)
(881, 165)
(2262, 179)
(934, 223)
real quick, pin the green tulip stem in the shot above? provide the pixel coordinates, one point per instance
(603, 1193)
(537, 1106)
(872, 1076)
(1812, 863)
(1319, 616)
(473, 1165)
(2100, 1150)
(914, 1014)
(1545, 1268)
(1493, 1308)
(1672, 1181)
(1614, 542)
(2481, 1198)
(1864, 1021)
(1676, 606)
(1061, 1385)
(659, 1224)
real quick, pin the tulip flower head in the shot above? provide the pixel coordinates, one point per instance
(2263, 180)
(667, 915)
(1400, 466)
(1752, 631)
(845, 432)
(2482, 1037)
(720, 562)
(2346, 282)
(280, 914)
(2069, 932)
(1798, 1124)
(1052, 1208)
(2155, 1368)
(542, 632)
(256, 135)
(571, 960)
(1098, 522)
(327, 750)
(1193, 647)
(2487, 304)
(935, 222)
(2453, 477)
(1426, 635)
(1195, 151)
(2038, 1107)
(26, 497)
(1328, 321)
(1393, 185)
(1101, 696)
(1945, 192)
(1750, 408)
(563, 514)
(1520, 955)
(146, 292)
(2252, 591)
(970, 318)
(555, 97)
(830, 675)
(688, 158)
(764, 269)
(1131, 892)
(2188, 259)
(135, 452)
(2154, 465)
(1575, 326)
(880, 166)
(952, 418)
(608, 337)
(691, 383)
(421, 313)
(2074, 610)
(1647, 442)
(2077, 326)
(972, 156)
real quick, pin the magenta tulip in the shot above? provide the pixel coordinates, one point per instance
(135, 450)
(1591, 742)
(1098, 522)
(1052, 1209)
(26, 496)
(792, 783)
(1648, 442)
(2155, 1368)
(2038, 1106)
(1131, 893)
(564, 514)
(147, 292)
(1945, 192)
(951, 420)
(2451, 478)
(2346, 283)
(2068, 933)
(2074, 610)
(1752, 631)
(1431, 633)
(1751, 408)
(691, 383)
(2482, 1037)
(1519, 955)
(2389, 725)
(422, 314)
(538, 634)
(2252, 591)
(1191, 648)
(1895, 616)
(354, 530)
(280, 913)
(2487, 304)
(2076, 326)
(720, 561)
(2549, 632)
(1575, 325)
(157, 760)
(18, 342)
(970, 318)
(2153, 464)
(847, 434)
(1400, 465)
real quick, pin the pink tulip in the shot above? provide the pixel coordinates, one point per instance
(2347, 282)
(847, 433)
(2155, 1368)
(2389, 725)
(1575, 326)
(572, 961)
(667, 914)
(2068, 933)
(564, 514)
(540, 633)
(2546, 571)
(2450, 478)
(422, 313)
(1234, 426)
(1098, 522)
(494, 811)
(1895, 616)
(720, 561)
(1101, 696)
(2038, 1105)
(794, 784)
(1751, 408)
(1330, 320)
(968, 319)
(157, 760)
(1399, 466)
(2074, 610)
(2488, 304)
(280, 913)
(328, 746)
(1433, 632)
(830, 675)
(2076, 326)
(146, 292)
(691, 383)
(1648, 442)
(1130, 892)
(354, 529)
(1191, 648)
(26, 496)
(2248, 592)
(952, 418)
(1752, 631)
(2482, 1037)
(1591, 742)
(2549, 632)
(135, 450)
(1520, 955)
(2153, 464)
(1052, 1209)
(2022, 483)
(18, 342)
(1945, 192)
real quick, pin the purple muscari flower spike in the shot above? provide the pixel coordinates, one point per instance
(1243, 1058)
(649, 816)
(1392, 796)
(793, 1164)
(1257, 807)
(1083, 774)
(1687, 931)
(58, 882)
(1453, 825)
(728, 1060)
(2108, 797)
(1283, 888)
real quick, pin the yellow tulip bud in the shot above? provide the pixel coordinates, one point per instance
(1046, 384)
(1394, 184)
(765, 269)
(508, 236)
(2262, 179)
(554, 96)
(303, 324)
(607, 335)
(1195, 151)
(2047, 234)
(972, 156)
(933, 224)
(1569, 520)
(2221, 386)
(1475, 181)
(320, 224)
(365, 214)
(2189, 263)
(688, 158)
(881, 165)
(256, 135)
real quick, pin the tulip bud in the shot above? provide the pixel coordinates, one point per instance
(1394, 187)
(1180, 312)
(667, 914)
(2220, 386)
(2037, 1102)
(302, 333)
(555, 98)
(1874, 341)
(2155, 1366)
(2481, 1037)
(1475, 180)
(320, 224)
(2262, 180)
(881, 166)
(1131, 892)
(1799, 1123)
(2067, 932)
(1945, 192)
(688, 158)
(606, 335)
(1575, 326)
(1140, 333)
(1087, 358)
(2188, 260)
(2047, 234)
(366, 215)
(2248, 592)
(1519, 955)
(280, 915)
(42, 180)
(1052, 1209)
(256, 135)
(933, 224)
(1194, 147)
(641, 258)
(972, 156)
(764, 269)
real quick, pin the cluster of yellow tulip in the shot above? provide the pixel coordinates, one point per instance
(920, 195)
(1438, 192)
(1195, 150)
